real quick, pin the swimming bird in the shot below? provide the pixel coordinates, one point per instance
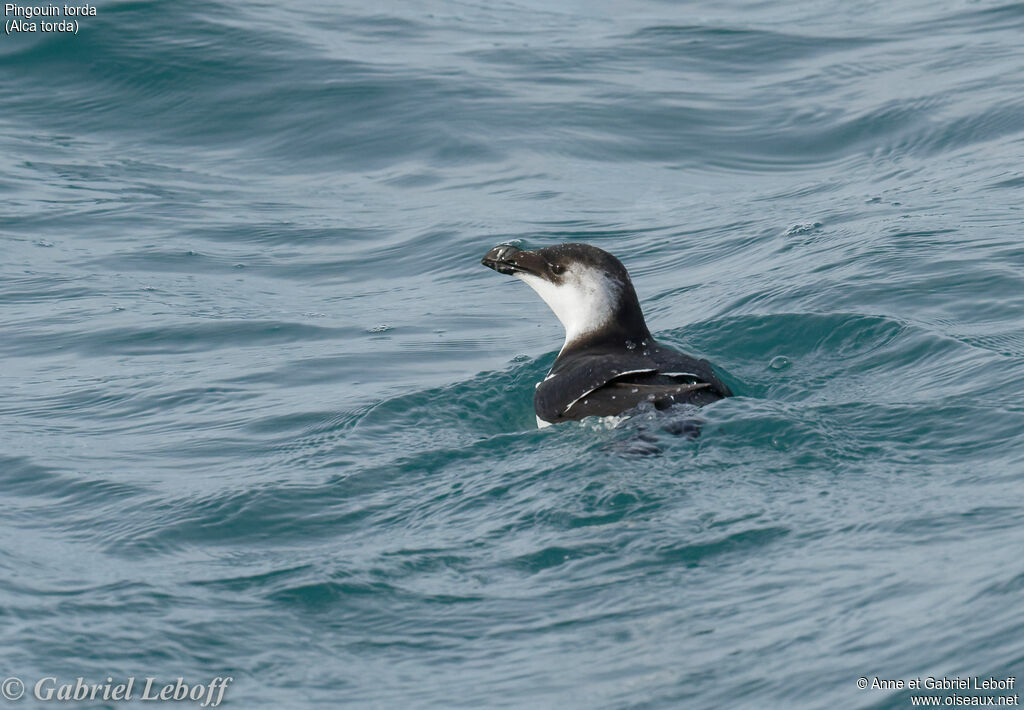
(609, 362)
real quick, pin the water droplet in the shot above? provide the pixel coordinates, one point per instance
(44, 243)
(630, 345)
(779, 362)
(382, 328)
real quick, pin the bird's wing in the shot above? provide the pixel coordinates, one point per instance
(616, 397)
(596, 385)
(575, 380)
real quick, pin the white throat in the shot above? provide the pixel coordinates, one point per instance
(584, 302)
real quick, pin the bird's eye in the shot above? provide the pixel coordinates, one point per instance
(557, 269)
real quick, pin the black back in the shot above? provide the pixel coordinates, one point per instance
(605, 378)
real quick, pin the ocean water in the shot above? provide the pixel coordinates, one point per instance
(264, 415)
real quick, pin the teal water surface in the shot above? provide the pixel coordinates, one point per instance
(265, 415)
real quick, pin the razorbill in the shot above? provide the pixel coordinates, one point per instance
(609, 362)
